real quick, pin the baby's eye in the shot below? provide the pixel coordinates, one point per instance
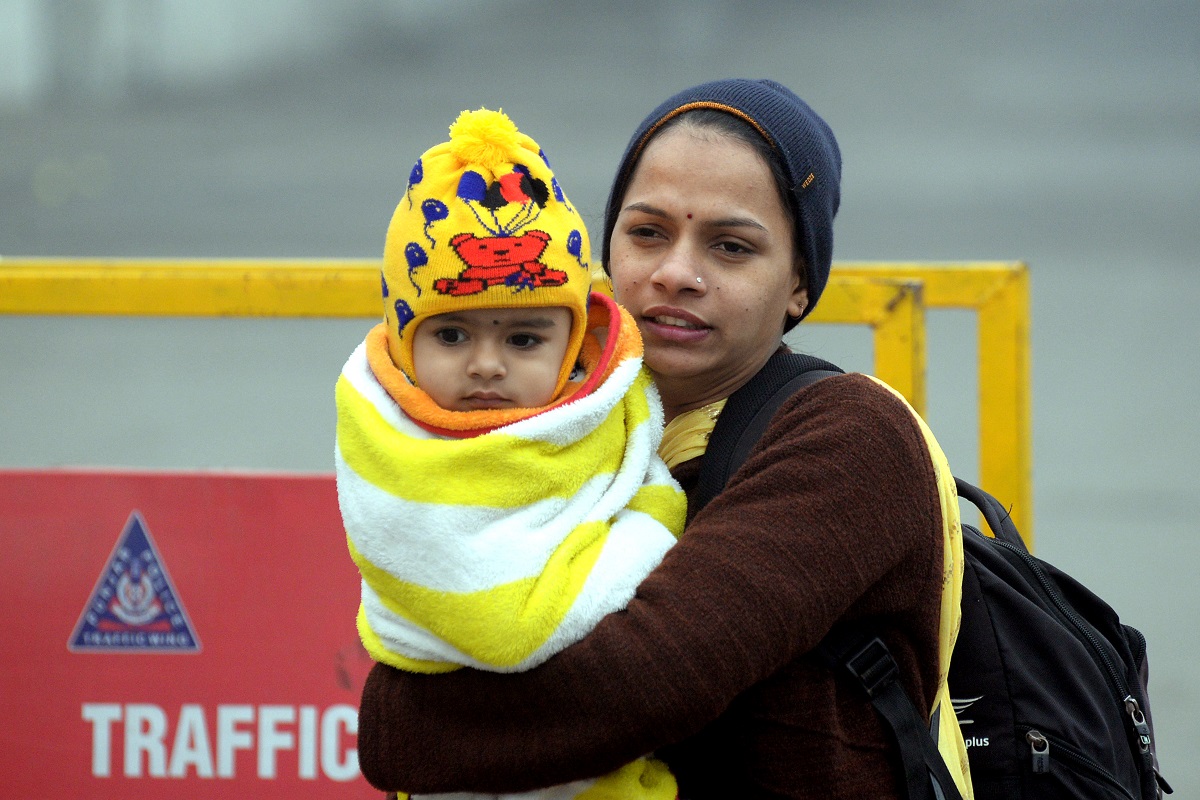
(524, 341)
(450, 335)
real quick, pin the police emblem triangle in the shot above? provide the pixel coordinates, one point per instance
(134, 607)
(1049, 687)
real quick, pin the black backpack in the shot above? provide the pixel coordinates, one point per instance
(1049, 687)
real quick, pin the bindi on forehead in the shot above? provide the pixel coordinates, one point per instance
(689, 215)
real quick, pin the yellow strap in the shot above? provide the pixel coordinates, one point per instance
(950, 738)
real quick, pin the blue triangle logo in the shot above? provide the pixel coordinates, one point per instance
(134, 607)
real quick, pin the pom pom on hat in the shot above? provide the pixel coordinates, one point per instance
(485, 139)
(479, 227)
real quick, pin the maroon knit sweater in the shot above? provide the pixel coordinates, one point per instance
(835, 516)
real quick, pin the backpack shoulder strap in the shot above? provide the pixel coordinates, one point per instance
(865, 661)
(746, 415)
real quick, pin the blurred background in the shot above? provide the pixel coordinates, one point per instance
(1063, 134)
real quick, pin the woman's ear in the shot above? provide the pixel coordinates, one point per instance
(798, 301)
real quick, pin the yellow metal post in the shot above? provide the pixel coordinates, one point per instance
(999, 292)
(895, 310)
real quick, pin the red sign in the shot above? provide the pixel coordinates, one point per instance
(177, 634)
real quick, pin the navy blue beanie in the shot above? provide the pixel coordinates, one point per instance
(806, 147)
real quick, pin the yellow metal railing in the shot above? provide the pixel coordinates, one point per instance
(190, 288)
(890, 298)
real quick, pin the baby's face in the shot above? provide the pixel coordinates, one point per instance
(492, 357)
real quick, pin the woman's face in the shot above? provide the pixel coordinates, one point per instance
(702, 256)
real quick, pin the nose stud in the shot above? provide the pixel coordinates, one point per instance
(699, 279)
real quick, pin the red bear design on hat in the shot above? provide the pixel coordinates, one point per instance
(500, 261)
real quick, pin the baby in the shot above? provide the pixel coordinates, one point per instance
(496, 440)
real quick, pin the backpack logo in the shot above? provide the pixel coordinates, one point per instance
(134, 607)
(962, 705)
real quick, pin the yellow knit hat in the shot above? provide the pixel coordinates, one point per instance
(483, 224)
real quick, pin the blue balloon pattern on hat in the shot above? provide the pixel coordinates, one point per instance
(404, 315)
(575, 247)
(416, 257)
(472, 186)
(433, 210)
(383, 281)
(559, 195)
(414, 177)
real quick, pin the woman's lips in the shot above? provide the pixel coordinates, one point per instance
(673, 324)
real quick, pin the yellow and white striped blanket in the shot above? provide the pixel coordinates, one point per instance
(497, 550)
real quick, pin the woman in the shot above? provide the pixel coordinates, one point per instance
(718, 237)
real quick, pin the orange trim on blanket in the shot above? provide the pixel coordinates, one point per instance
(622, 341)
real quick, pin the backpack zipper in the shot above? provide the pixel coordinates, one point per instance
(1042, 749)
(1145, 743)
(1139, 723)
(1139, 655)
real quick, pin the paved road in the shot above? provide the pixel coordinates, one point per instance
(1063, 134)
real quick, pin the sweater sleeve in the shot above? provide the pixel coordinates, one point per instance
(832, 511)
